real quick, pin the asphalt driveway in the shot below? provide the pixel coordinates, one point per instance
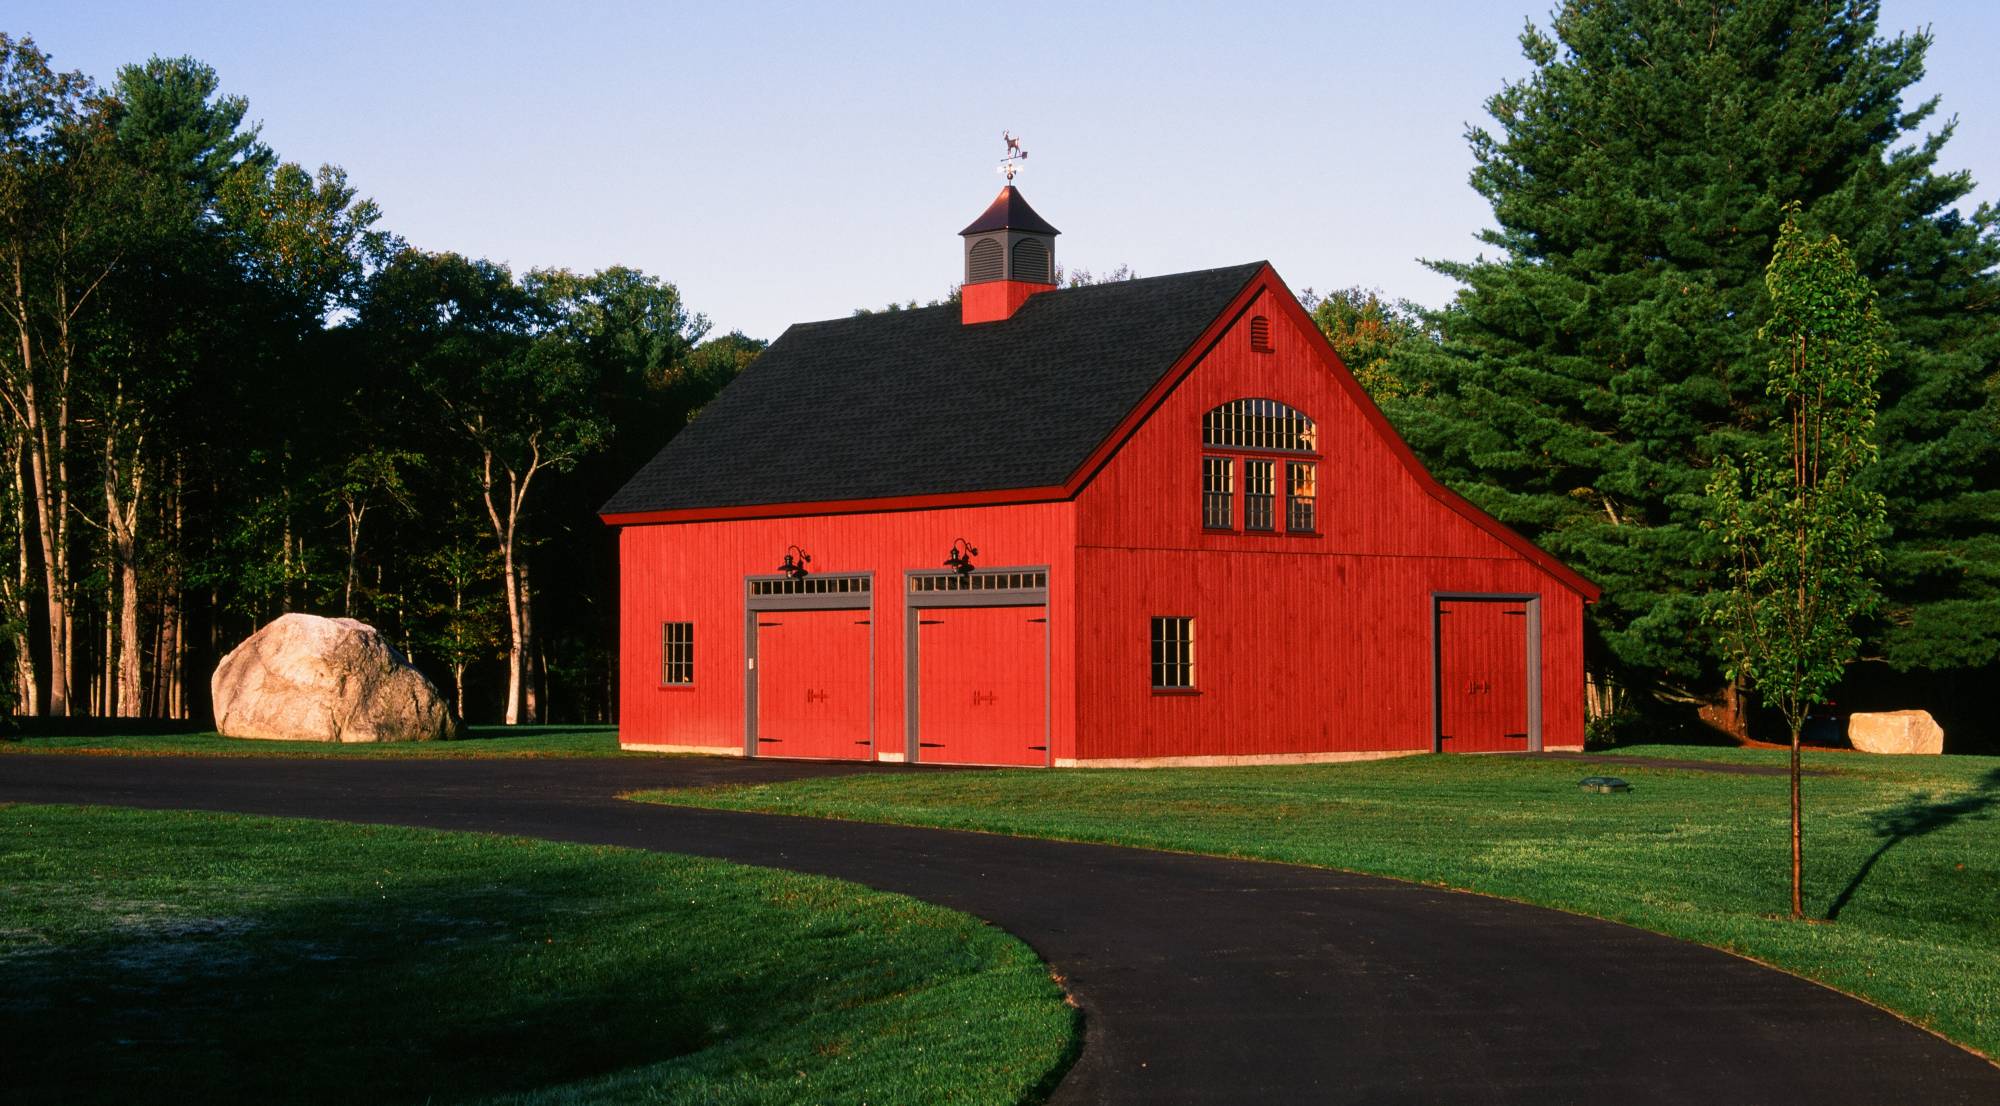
(1203, 980)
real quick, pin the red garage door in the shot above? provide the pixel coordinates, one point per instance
(982, 685)
(1482, 675)
(812, 685)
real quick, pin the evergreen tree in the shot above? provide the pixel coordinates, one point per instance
(1591, 374)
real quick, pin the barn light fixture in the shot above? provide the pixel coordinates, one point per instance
(795, 567)
(961, 555)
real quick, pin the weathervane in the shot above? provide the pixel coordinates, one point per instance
(1011, 164)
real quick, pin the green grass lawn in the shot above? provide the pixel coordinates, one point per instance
(479, 741)
(1904, 853)
(175, 957)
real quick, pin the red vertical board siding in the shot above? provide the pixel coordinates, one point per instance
(1306, 643)
(695, 572)
(982, 695)
(1482, 675)
(813, 693)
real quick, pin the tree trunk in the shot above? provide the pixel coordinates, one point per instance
(124, 483)
(355, 513)
(512, 715)
(1729, 712)
(46, 471)
(27, 689)
(1798, 864)
(530, 677)
(173, 632)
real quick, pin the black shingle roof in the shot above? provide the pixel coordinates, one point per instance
(917, 403)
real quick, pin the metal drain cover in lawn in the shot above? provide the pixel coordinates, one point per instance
(1604, 785)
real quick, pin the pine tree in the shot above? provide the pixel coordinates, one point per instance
(1591, 373)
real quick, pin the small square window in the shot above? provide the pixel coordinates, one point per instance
(1173, 653)
(676, 652)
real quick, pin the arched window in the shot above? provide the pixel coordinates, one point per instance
(1260, 438)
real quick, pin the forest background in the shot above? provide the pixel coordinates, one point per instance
(230, 391)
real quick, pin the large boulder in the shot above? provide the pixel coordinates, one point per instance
(1895, 731)
(307, 678)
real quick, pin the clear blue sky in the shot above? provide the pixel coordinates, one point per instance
(786, 162)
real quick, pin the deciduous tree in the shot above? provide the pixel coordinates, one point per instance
(1798, 521)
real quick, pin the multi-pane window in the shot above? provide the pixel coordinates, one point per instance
(676, 652)
(1259, 498)
(1302, 481)
(1263, 424)
(1173, 653)
(1218, 493)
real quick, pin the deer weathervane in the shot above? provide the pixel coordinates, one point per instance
(1011, 164)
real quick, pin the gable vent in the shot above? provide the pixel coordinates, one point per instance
(1031, 260)
(985, 262)
(1260, 334)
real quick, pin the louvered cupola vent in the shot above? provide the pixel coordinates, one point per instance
(1009, 256)
(1031, 261)
(985, 261)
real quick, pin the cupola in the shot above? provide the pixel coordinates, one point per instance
(1009, 255)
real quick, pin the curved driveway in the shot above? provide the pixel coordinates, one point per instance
(1202, 980)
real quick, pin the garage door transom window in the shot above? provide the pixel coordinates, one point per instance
(676, 652)
(1173, 653)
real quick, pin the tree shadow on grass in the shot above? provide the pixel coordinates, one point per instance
(1916, 816)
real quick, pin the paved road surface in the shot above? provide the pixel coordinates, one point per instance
(1202, 980)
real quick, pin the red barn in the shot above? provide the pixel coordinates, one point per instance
(1178, 533)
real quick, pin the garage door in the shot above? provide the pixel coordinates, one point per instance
(812, 684)
(982, 685)
(1482, 674)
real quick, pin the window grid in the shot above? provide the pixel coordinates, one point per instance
(1218, 493)
(1173, 653)
(1259, 424)
(1301, 492)
(676, 652)
(1259, 494)
(811, 585)
(981, 581)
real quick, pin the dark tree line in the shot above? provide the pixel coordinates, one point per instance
(228, 392)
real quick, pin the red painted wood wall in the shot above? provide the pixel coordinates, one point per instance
(1304, 643)
(693, 572)
(1319, 643)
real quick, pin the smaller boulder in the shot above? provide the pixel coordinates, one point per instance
(1895, 731)
(307, 678)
